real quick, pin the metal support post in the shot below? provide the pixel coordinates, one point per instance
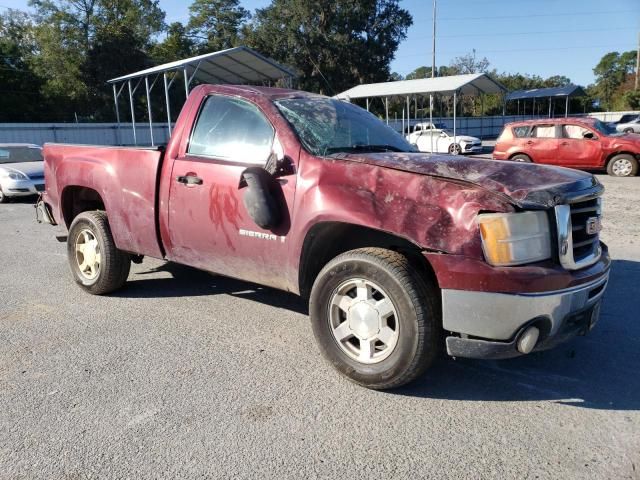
(133, 117)
(166, 99)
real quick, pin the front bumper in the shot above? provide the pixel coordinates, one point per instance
(488, 325)
(469, 148)
(21, 188)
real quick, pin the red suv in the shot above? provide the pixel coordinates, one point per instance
(584, 143)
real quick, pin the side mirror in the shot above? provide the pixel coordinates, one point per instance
(589, 136)
(442, 134)
(260, 198)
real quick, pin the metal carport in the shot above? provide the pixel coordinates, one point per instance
(454, 85)
(550, 93)
(237, 66)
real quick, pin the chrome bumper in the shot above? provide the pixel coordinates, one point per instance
(491, 322)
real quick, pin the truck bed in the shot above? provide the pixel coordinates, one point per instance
(125, 179)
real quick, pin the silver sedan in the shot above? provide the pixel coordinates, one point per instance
(21, 170)
(629, 124)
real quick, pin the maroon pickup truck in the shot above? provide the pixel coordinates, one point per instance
(398, 252)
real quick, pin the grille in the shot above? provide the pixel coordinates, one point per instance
(578, 227)
(584, 243)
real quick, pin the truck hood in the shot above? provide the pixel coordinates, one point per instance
(526, 184)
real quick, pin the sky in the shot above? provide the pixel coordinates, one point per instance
(538, 37)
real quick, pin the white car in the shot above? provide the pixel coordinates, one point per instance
(443, 140)
(21, 170)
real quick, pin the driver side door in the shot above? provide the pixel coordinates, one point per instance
(209, 226)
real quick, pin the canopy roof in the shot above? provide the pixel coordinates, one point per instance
(239, 65)
(469, 84)
(568, 91)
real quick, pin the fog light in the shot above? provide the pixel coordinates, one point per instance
(528, 340)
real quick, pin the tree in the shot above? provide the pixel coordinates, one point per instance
(611, 72)
(216, 24)
(20, 85)
(83, 43)
(177, 45)
(334, 44)
(469, 63)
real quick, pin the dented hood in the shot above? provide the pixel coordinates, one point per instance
(526, 184)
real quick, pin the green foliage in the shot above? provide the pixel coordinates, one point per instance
(334, 44)
(216, 24)
(612, 71)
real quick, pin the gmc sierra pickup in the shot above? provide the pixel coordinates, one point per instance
(399, 252)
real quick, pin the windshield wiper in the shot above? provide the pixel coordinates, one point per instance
(363, 148)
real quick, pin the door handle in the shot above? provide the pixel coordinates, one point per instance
(189, 180)
(530, 142)
(564, 143)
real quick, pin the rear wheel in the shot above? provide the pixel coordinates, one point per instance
(3, 197)
(375, 318)
(622, 165)
(97, 265)
(521, 157)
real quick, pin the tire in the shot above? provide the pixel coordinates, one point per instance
(3, 197)
(521, 157)
(623, 165)
(628, 130)
(90, 236)
(454, 149)
(411, 331)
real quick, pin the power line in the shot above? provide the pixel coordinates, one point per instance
(539, 32)
(524, 50)
(536, 15)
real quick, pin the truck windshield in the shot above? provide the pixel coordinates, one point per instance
(326, 126)
(19, 154)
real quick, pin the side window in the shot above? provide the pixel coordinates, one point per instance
(521, 132)
(574, 131)
(233, 129)
(418, 128)
(544, 131)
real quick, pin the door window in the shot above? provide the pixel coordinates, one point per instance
(233, 129)
(575, 131)
(544, 131)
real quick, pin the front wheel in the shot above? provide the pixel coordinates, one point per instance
(521, 157)
(375, 318)
(97, 265)
(623, 165)
(628, 130)
(455, 149)
(3, 197)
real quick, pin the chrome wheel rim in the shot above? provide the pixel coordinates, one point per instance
(454, 149)
(88, 256)
(363, 321)
(622, 167)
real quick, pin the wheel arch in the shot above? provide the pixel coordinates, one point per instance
(328, 239)
(76, 199)
(520, 153)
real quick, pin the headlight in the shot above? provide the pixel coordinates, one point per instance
(13, 175)
(515, 238)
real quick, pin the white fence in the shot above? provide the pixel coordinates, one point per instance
(82, 133)
(112, 134)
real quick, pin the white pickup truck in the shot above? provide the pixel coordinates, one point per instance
(435, 137)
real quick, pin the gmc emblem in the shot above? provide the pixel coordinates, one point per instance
(593, 225)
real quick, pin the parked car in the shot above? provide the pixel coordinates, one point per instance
(628, 124)
(21, 170)
(394, 249)
(443, 140)
(583, 143)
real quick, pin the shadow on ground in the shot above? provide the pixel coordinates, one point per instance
(599, 371)
(188, 282)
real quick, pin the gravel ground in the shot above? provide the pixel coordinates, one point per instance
(185, 374)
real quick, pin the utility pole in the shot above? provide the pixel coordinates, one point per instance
(433, 73)
(637, 60)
